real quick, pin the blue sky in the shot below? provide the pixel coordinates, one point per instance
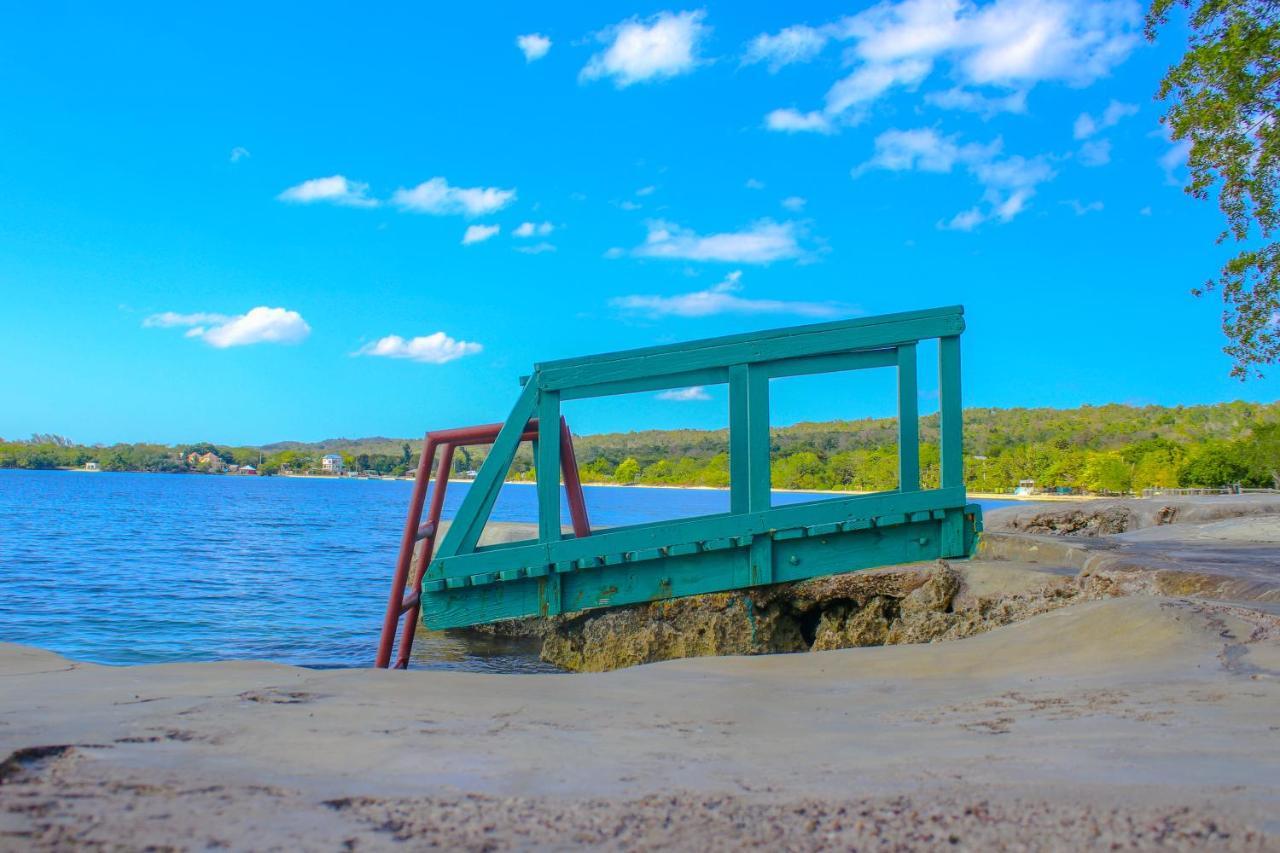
(246, 225)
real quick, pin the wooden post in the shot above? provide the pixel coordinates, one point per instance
(951, 412)
(547, 462)
(908, 421)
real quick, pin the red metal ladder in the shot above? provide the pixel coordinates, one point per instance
(416, 530)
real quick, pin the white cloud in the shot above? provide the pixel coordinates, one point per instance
(794, 203)
(754, 184)
(1007, 44)
(1086, 125)
(238, 153)
(534, 46)
(721, 299)
(1146, 211)
(334, 189)
(436, 348)
(479, 233)
(643, 191)
(256, 326)
(536, 249)
(1082, 208)
(685, 395)
(665, 45)
(959, 98)
(1173, 160)
(926, 150)
(799, 43)
(793, 121)
(1095, 152)
(170, 319)
(1009, 181)
(965, 220)
(438, 198)
(532, 229)
(760, 243)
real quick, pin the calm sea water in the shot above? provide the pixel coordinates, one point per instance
(147, 568)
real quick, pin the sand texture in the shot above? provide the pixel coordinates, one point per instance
(1139, 722)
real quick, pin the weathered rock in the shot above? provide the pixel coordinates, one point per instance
(908, 604)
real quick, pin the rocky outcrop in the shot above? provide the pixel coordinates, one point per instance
(910, 604)
(1107, 517)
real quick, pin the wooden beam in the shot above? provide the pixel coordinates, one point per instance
(951, 412)
(908, 420)
(701, 355)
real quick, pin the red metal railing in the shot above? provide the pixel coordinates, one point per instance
(416, 530)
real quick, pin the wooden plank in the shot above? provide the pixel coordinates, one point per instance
(800, 343)
(951, 416)
(686, 575)
(807, 365)
(759, 497)
(715, 532)
(465, 530)
(739, 467)
(762, 336)
(908, 420)
(686, 379)
(548, 466)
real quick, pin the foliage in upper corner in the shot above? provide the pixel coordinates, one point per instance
(1224, 98)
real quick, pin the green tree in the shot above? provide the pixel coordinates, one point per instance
(1213, 465)
(627, 471)
(1224, 99)
(1108, 472)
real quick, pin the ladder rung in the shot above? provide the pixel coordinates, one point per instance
(426, 531)
(410, 601)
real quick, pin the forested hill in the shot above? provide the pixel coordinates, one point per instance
(1111, 448)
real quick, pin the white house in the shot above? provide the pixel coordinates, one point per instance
(332, 463)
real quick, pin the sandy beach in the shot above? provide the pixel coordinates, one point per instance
(1149, 723)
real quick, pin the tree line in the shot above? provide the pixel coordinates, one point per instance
(1097, 449)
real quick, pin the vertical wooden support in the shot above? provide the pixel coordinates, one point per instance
(951, 437)
(758, 476)
(739, 467)
(908, 421)
(476, 506)
(951, 417)
(547, 462)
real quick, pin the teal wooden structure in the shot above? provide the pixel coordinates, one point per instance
(755, 542)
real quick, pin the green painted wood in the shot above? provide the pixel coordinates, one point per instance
(711, 532)
(465, 530)
(690, 574)
(808, 365)
(951, 419)
(759, 477)
(739, 464)
(908, 420)
(752, 544)
(547, 466)
(763, 337)
(801, 343)
(641, 384)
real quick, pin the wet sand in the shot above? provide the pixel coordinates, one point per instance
(1144, 722)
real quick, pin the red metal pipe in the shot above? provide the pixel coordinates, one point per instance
(407, 540)
(573, 483)
(424, 556)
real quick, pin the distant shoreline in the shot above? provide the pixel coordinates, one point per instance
(990, 496)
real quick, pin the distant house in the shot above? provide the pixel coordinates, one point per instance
(207, 461)
(332, 463)
(248, 470)
(91, 466)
